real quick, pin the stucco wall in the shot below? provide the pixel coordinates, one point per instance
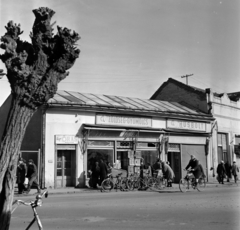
(63, 123)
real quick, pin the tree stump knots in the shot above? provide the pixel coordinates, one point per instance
(34, 70)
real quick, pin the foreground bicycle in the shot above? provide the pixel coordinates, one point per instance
(34, 204)
(109, 183)
(189, 182)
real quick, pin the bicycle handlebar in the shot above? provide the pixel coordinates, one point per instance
(37, 202)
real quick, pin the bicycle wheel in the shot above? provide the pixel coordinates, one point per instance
(130, 184)
(124, 185)
(107, 185)
(184, 185)
(201, 184)
(154, 184)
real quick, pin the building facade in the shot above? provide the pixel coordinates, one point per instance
(224, 107)
(78, 129)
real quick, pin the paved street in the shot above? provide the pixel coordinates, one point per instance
(215, 208)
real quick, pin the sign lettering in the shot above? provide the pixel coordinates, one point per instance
(106, 119)
(186, 125)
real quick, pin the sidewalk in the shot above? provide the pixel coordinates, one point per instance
(72, 190)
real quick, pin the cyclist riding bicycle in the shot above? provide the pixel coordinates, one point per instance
(195, 168)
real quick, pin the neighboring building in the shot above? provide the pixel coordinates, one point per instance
(74, 129)
(225, 108)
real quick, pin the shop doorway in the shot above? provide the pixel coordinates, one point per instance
(65, 168)
(122, 159)
(175, 163)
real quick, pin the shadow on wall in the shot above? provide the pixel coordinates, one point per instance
(81, 180)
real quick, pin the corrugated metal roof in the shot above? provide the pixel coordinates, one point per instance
(83, 99)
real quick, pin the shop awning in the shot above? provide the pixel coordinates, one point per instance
(115, 128)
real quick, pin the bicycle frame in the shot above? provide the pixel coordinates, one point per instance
(34, 205)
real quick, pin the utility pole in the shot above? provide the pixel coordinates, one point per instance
(186, 76)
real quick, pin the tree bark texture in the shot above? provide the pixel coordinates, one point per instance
(33, 71)
(19, 118)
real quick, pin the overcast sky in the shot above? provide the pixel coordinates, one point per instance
(130, 47)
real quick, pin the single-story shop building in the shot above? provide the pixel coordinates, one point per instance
(74, 129)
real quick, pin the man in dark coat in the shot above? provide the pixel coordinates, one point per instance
(21, 174)
(195, 168)
(103, 170)
(228, 168)
(221, 171)
(32, 176)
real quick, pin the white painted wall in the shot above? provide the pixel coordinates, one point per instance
(63, 123)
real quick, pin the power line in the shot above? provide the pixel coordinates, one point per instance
(186, 76)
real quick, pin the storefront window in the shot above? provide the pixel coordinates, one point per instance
(147, 145)
(149, 157)
(94, 155)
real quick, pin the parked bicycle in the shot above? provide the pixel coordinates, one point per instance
(189, 181)
(34, 204)
(111, 183)
(155, 183)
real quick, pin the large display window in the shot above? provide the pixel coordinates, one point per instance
(99, 150)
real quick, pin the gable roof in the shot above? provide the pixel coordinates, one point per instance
(127, 104)
(180, 84)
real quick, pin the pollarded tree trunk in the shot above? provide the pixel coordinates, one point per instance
(19, 117)
(34, 71)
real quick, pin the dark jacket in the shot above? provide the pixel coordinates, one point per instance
(196, 169)
(221, 169)
(21, 173)
(228, 168)
(32, 170)
(235, 170)
(103, 170)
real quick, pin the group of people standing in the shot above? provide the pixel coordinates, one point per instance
(99, 170)
(159, 167)
(28, 171)
(226, 170)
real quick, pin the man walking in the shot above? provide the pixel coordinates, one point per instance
(32, 176)
(21, 173)
(235, 171)
(221, 171)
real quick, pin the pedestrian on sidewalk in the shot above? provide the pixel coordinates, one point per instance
(32, 174)
(221, 171)
(109, 168)
(21, 174)
(168, 173)
(228, 168)
(157, 168)
(142, 167)
(235, 171)
(103, 170)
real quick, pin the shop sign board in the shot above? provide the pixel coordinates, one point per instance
(186, 125)
(66, 139)
(137, 162)
(131, 161)
(123, 120)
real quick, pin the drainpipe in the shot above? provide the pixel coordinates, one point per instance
(215, 125)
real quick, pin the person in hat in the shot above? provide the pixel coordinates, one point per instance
(195, 168)
(32, 174)
(21, 174)
(235, 171)
(221, 171)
